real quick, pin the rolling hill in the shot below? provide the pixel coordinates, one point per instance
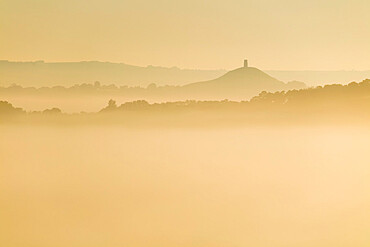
(240, 84)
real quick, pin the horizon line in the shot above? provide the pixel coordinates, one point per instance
(177, 67)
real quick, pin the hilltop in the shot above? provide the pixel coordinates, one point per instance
(240, 84)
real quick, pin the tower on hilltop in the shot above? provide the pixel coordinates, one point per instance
(245, 63)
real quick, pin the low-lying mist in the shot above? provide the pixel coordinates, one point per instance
(331, 104)
(112, 186)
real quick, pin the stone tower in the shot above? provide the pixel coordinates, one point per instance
(245, 63)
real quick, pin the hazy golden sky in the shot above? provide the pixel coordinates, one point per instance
(273, 34)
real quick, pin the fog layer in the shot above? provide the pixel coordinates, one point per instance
(109, 186)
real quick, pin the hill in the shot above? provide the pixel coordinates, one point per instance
(240, 84)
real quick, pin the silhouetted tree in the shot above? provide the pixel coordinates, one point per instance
(112, 104)
(52, 111)
(7, 108)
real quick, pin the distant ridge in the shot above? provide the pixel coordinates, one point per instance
(40, 73)
(316, 78)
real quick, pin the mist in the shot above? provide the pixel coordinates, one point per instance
(296, 186)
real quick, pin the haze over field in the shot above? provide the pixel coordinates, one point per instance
(332, 104)
(96, 186)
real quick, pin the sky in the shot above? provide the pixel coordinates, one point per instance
(200, 34)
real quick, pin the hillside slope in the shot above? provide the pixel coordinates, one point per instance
(245, 82)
